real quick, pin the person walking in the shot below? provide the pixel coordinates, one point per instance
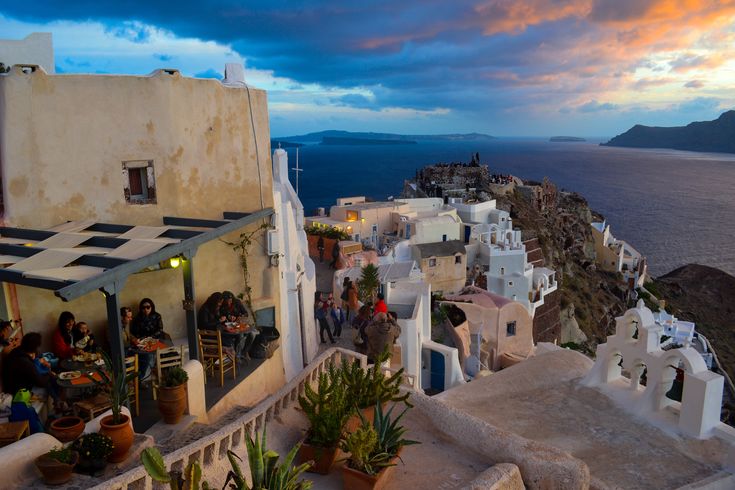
(321, 312)
(353, 301)
(320, 247)
(335, 256)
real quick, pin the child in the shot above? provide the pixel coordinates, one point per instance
(82, 339)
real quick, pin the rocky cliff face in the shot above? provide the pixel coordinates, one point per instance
(588, 299)
(703, 295)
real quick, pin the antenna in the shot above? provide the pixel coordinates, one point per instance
(297, 170)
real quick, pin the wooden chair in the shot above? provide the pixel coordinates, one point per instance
(165, 359)
(11, 432)
(131, 366)
(91, 407)
(214, 357)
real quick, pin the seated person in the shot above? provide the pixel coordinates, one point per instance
(62, 343)
(232, 308)
(82, 338)
(146, 360)
(148, 323)
(234, 311)
(7, 341)
(210, 318)
(19, 369)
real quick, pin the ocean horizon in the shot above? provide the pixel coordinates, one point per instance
(670, 205)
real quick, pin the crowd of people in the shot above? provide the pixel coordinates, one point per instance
(375, 329)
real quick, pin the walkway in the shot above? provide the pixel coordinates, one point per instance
(541, 399)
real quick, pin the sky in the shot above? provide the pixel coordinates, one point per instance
(501, 67)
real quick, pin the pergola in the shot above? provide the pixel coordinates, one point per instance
(79, 257)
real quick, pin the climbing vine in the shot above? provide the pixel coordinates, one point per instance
(242, 248)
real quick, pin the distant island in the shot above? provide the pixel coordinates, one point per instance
(284, 144)
(334, 141)
(411, 138)
(566, 139)
(710, 136)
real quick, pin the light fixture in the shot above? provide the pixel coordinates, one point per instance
(175, 261)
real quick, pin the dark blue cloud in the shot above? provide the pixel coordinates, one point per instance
(163, 57)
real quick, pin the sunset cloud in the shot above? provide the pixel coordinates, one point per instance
(489, 65)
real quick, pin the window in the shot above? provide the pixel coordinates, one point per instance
(457, 259)
(510, 283)
(444, 238)
(375, 228)
(432, 262)
(408, 231)
(510, 329)
(139, 182)
(502, 271)
(351, 215)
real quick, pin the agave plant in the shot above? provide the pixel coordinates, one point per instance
(117, 383)
(189, 480)
(390, 434)
(265, 472)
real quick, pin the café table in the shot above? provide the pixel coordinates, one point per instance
(11, 432)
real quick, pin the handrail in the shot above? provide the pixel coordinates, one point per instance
(212, 448)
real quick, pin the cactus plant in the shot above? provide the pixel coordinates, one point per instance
(190, 480)
(366, 387)
(327, 408)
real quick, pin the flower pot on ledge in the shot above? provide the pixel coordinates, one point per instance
(66, 429)
(172, 403)
(121, 435)
(357, 480)
(55, 472)
(322, 458)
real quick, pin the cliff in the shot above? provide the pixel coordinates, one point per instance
(588, 298)
(703, 295)
(710, 136)
(336, 141)
(332, 133)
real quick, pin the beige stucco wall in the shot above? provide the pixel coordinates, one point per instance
(609, 259)
(447, 276)
(521, 343)
(63, 139)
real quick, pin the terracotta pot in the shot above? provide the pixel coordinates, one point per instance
(322, 457)
(357, 480)
(54, 472)
(354, 421)
(172, 403)
(121, 435)
(66, 429)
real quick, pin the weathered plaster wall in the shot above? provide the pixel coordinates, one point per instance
(447, 276)
(64, 138)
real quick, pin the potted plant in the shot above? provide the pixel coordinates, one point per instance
(366, 387)
(57, 465)
(67, 428)
(117, 426)
(93, 449)
(172, 399)
(374, 450)
(265, 472)
(327, 409)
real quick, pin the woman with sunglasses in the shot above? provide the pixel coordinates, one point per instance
(148, 323)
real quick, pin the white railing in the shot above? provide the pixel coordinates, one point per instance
(214, 447)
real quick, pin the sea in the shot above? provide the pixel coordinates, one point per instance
(675, 207)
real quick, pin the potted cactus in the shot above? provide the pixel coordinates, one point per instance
(327, 409)
(154, 465)
(172, 399)
(366, 387)
(57, 465)
(374, 450)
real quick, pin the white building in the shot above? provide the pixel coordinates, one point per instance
(34, 49)
(615, 255)
(497, 257)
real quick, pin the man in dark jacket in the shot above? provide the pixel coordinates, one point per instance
(381, 333)
(19, 370)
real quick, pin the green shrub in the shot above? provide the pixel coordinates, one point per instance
(61, 454)
(175, 376)
(327, 232)
(366, 387)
